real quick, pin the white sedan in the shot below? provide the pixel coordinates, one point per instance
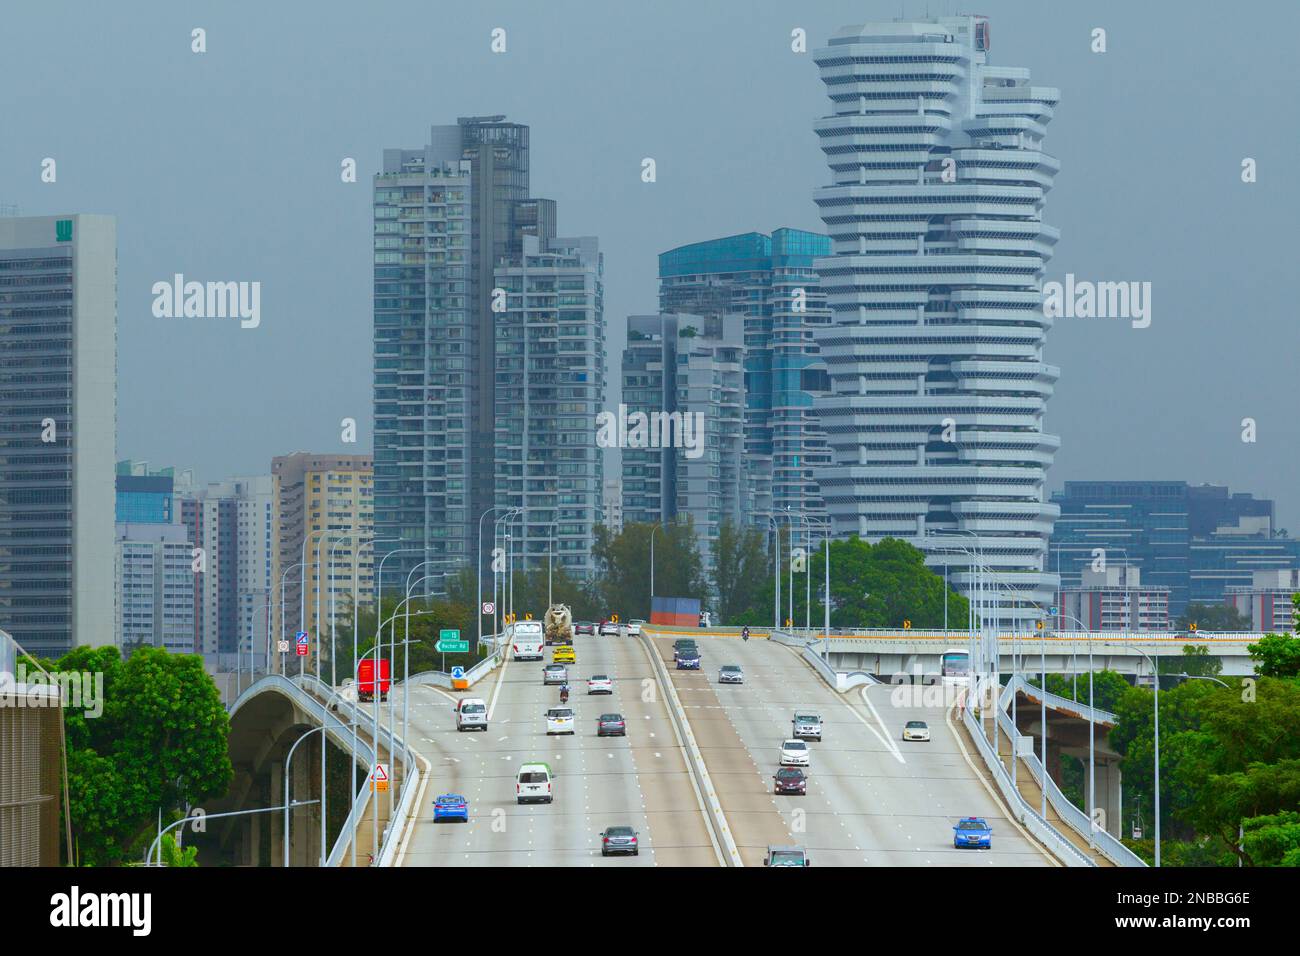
(559, 720)
(600, 684)
(634, 627)
(916, 730)
(794, 753)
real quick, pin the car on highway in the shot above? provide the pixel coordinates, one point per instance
(916, 730)
(790, 780)
(786, 856)
(450, 806)
(806, 726)
(564, 654)
(634, 627)
(555, 674)
(688, 659)
(600, 684)
(731, 674)
(611, 725)
(559, 720)
(533, 783)
(609, 629)
(684, 642)
(471, 714)
(584, 627)
(972, 832)
(619, 840)
(794, 753)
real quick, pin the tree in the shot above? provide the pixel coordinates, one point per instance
(1276, 655)
(1272, 839)
(427, 616)
(159, 743)
(624, 584)
(1107, 687)
(1195, 661)
(741, 569)
(1213, 617)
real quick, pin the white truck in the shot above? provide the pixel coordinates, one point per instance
(526, 640)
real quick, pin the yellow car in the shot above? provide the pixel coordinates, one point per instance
(564, 655)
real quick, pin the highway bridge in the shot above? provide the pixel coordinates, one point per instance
(693, 775)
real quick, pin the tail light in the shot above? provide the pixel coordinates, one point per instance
(518, 788)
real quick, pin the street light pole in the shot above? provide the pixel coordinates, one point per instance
(1155, 672)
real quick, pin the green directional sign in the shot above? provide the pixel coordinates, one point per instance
(449, 641)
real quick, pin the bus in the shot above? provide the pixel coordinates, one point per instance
(954, 666)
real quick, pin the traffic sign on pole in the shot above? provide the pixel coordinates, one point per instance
(379, 779)
(457, 672)
(449, 641)
(284, 647)
(302, 643)
(489, 608)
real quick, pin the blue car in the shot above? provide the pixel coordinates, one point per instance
(972, 832)
(688, 660)
(451, 806)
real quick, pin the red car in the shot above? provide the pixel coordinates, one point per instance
(790, 780)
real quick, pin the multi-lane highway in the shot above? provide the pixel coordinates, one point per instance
(872, 799)
(640, 780)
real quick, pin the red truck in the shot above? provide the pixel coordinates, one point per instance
(366, 679)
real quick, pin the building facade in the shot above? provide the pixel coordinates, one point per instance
(1114, 600)
(770, 283)
(683, 375)
(324, 515)
(230, 524)
(58, 428)
(612, 505)
(550, 388)
(934, 208)
(1269, 600)
(1196, 540)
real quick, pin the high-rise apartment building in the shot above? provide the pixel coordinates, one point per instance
(1268, 601)
(612, 505)
(1114, 599)
(58, 428)
(550, 388)
(323, 514)
(683, 386)
(447, 216)
(230, 523)
(935, 348)
(770, 284)
(153, 572)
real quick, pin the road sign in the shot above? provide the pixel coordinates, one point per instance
(302, 643)
(284, 647)
(457, 673)
(489, 608)
(449, 641)
(379, 780)
(1054, 611)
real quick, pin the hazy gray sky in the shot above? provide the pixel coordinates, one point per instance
(225, 166)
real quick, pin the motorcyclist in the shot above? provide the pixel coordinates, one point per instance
(744, 633)
(564, 693)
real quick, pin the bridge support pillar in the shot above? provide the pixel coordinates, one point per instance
(301, 831)
(1110, 795)
(276, 769)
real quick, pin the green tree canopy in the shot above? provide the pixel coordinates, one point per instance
(1213, 617)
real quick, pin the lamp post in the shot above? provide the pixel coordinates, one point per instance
(283, 632)
(251, 661)
(478, 573)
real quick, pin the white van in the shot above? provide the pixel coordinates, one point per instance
(471, 714)
(533, 782)
(527, 641)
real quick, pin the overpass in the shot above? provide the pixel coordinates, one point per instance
(693, 775)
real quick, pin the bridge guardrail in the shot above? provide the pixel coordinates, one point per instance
(1113, 848)
(1048, 835)
(694, 759)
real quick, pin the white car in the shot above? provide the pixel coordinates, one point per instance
(794, 753)
(555, 674)
(634, 627)
(559, 720)
(600, 684)
(608, 629)
(731, 674)
(916, 730)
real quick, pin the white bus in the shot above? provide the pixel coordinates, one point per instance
(954, 666)
(526, 640)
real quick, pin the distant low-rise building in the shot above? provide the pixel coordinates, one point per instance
(1114, 599)
(1269, 602)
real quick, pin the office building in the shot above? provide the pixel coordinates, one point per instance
(1113, 599)
(1196, 540)
(550, 388)
(770, 282)
(938, 388)
(58, 428)
(1269, 600)
(684, 376)
(323, 514)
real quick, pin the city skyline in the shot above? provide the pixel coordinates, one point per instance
(249, 399)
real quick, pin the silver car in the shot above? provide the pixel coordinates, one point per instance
(555, 674)
(731, 674)
(806, 727)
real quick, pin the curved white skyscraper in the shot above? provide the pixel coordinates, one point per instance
(935, 416)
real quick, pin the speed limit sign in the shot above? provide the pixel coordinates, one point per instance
(489, 607)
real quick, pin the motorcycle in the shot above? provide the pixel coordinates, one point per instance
(564, 695)
(744, 634)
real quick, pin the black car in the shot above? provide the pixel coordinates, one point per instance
(791, 780)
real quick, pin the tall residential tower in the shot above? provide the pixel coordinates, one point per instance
(935, 349)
